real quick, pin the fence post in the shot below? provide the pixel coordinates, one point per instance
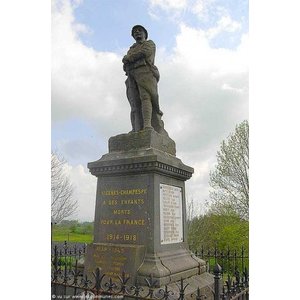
(215, 254)
(228, 260)
(217, 277)
(242, 257)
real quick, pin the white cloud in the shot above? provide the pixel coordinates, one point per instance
(224, 24)
(193, 52)
(84, 191)
(169, 4)
(201, 8)
(227, 87)
(172, 9)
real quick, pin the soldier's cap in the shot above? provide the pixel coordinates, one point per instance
(135, 26)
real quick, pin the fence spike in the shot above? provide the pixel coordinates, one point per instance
(217, 269)
(237, 276)
(228, 283)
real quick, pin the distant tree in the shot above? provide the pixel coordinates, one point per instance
(63, 203)
(230, 179)
(68, 223)
(223, 231)
(88, 227)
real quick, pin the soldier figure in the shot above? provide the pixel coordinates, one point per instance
(141, 83)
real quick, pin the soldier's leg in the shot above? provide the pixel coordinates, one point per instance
(146, 107)
(156, 121)
(130, 100)
(133, 96)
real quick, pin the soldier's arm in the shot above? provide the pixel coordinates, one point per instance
(146, 50)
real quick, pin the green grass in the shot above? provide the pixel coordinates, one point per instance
(65, 234)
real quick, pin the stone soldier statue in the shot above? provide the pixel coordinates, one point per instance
(141, 83)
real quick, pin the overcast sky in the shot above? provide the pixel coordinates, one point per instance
(202, 56)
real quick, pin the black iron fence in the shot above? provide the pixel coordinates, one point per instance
(69, 282)
(66, 255)
(68, 249)
(230, 260)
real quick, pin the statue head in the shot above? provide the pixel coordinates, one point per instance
(137, 28)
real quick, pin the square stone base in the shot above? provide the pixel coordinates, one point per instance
(204, 281)
(144, 139)
(113, 259)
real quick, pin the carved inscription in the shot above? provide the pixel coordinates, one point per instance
(113, 259)
(171, 227)
(123, 215)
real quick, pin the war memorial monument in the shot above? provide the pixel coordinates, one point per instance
(140, 214)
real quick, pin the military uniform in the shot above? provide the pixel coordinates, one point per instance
(141, 87)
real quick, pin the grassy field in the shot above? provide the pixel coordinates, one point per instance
(65, 234)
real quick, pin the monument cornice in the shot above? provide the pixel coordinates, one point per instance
(122, 168)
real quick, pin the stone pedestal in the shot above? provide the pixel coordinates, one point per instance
(140, 216)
